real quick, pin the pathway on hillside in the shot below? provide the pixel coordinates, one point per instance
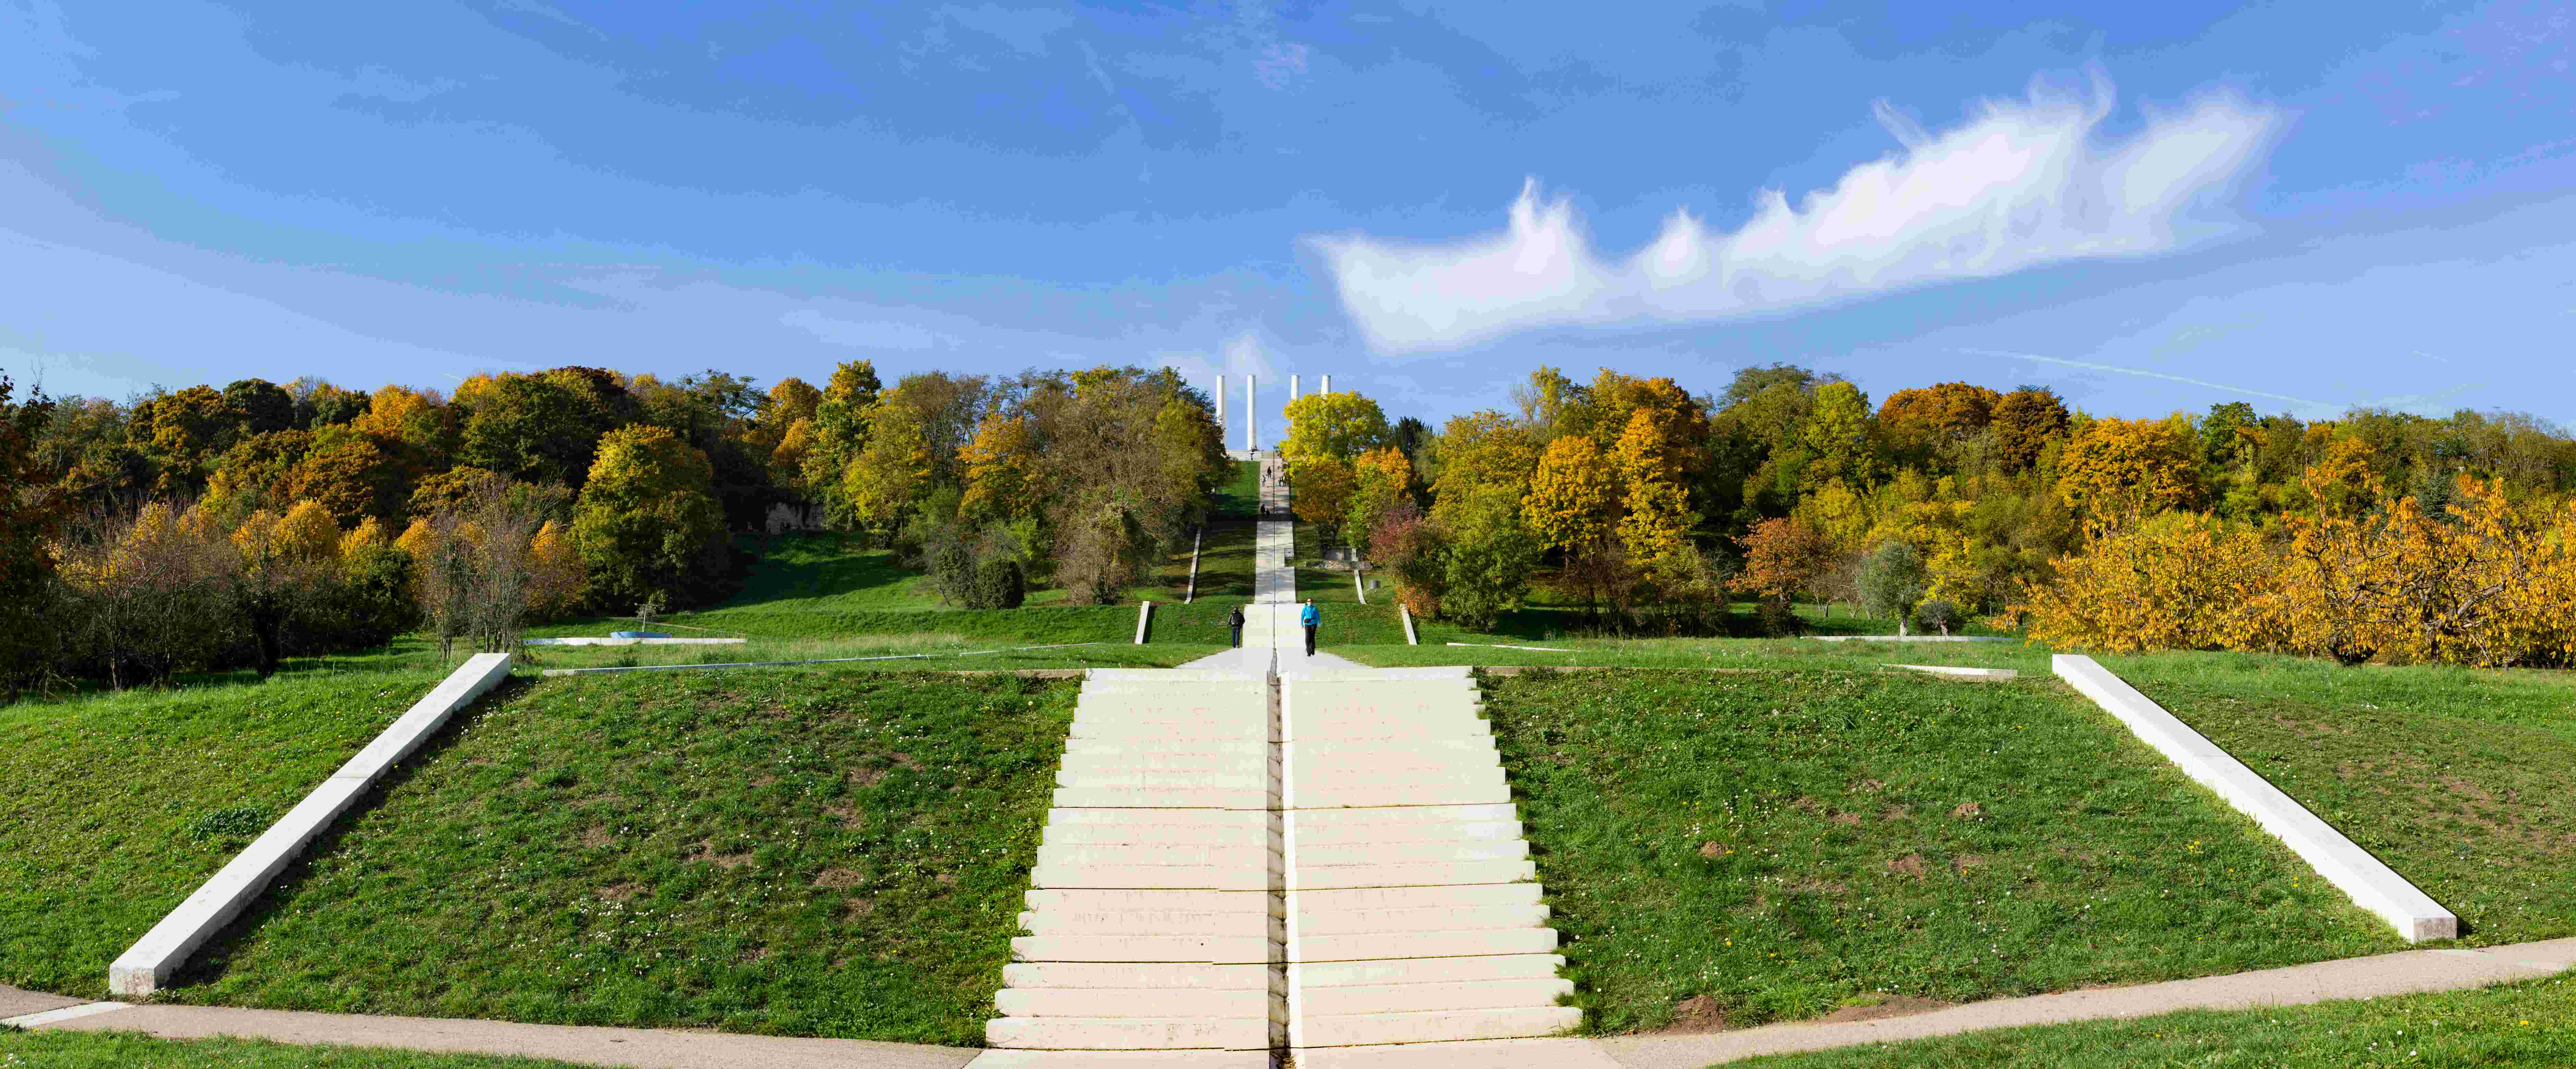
(1263, 852)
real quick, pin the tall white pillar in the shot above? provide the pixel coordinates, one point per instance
(1251, 414)
(1292, 387)
(1327, 386)
(1220, 407)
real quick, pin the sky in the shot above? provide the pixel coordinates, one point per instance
(2148, 208)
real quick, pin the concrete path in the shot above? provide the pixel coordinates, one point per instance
(2380, 976)
(655, 1048)
(1272, 640)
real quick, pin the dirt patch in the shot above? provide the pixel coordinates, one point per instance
(846, 814)
(857, 908)
(1869, 786)
(1968, 811)
(1909, 865)
(596, 837)
(1896, 812)
(763, 780)
(1894, 1006)
(837, 879)
(706, 851)
(620, 892)
(1848, 820)
(1805, 804)
(1962, 863)
(1696, 1014)
(1714, 850)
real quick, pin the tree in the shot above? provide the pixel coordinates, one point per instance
(1330, 427)
(1001, 464)
(1380, 478)
(2178, 581)
(1783, 558)
(1489, 557)
(1573, 498)
(834, 437)
(2222, 433)
(1656, 528)
(472, 568)
(183, 432)
(259, 471)
(32, 510)
(2120, 469)
(534, 428)
(648, 523)
(1893, 581)
(2024, 421)
(412, 426)
(892, 470)
(1837, 434)
(259, 406)
(1324, 488)
(1478, 451)
(1920, 421)
(352, 474)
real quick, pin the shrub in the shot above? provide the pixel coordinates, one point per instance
(1937, 613)
(996, 583)
(1892, 581)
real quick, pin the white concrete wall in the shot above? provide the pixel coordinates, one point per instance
(144, 967)
(2371, 883)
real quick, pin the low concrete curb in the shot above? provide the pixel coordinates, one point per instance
(1911, 638)
(1144, 613)
(2371, 883)
(1406, 613)
(143, 968)
(586, 641)
(2380, 976)
(1954, 670)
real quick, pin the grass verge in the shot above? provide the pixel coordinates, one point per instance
(1762, 847)
(119, 805)
(787, 852)
(58, 1049)
(2458, 778)
(2530, 1024)
(1737, 653)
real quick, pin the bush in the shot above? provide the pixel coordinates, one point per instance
(1937, 613)
(996, 584)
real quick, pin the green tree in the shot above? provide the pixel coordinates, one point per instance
(259, 406)
(1490, 555)
(352, 475)
(535, 428)
(1837, 433)
(648, 522)
(2024, 421)
(1892, 581)
(32, 508)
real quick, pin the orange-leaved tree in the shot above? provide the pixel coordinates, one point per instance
(1782, 558)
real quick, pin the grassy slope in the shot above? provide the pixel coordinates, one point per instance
(1825, 793)
(1240, 497)
(95, 826)
(2530, 1025)
(1701, 653)
(54, 1049)
(809, 853)
(2459, 779)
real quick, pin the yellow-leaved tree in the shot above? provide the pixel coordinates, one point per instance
(1000, 464)
(1572, 497)
(1330, 427)
(2118, 470)
(1379, 478)
(2180, 580)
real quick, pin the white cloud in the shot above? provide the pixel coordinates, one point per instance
(867, 334)
(2023, 184)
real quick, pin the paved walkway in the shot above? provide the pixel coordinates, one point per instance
(1272, 641)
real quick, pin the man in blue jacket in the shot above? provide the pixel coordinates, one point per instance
(1309, 618)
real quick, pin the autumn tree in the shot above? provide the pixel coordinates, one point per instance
(1001, 465)
(1380, 480)
(1783, 557)
(2024, 421)
(1922, 421)
(1573, 495)
(1837, 437)
(1324, 488)
(32, 510)
(2119, 469)
(1330, 427)
(351, 473)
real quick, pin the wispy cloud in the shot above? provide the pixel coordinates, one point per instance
(2023, 184)
(867, 334)
(2091, 366)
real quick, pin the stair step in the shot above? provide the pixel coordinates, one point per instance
(1432, 997)
(1163, 976)
(1208, 949)
(1322, 974)
(1137, 1002)
(1356, 1029)
(1129, 1033)
(1311, 922)
(1385, 945)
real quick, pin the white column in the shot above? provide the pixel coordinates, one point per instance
(1327, 386)
(1292, 387)
(1220, 406)
(1251, 413)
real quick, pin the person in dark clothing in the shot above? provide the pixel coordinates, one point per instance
(1234, 623)
(1310, 618)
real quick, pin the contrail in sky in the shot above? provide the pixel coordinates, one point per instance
(2146, 374)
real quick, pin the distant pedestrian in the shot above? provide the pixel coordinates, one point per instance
(1234, 624)
(1310, 618)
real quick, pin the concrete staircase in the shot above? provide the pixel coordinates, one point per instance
(1325, 866)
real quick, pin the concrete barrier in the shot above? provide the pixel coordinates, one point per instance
(1144, 612)
(145, 966)
(1406, 612)
(2371, 883)
(1955, 670)
(586, 641)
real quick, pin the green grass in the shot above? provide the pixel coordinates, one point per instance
(2457, 778)
(1694, 653)
(923, 651)
(1783, 842)
(1240, 497)
(1226, 561)
(57, 1049)
(117, 805)
(788, 852)
(2530, 1024)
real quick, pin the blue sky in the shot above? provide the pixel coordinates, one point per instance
(2162, 206)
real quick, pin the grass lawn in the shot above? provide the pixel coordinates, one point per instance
(1787, 843)
(119, 805)
(788, 852)
(925, 651)
(2459, 779)
(57, 1049)
(1772, 653)
(1240, 497)
(2530, 1024)
(1226, 561)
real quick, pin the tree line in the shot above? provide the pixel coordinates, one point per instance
(225, 527)
(2376, 534)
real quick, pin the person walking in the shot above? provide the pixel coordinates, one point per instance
(1234, 624)
(1310, 618)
